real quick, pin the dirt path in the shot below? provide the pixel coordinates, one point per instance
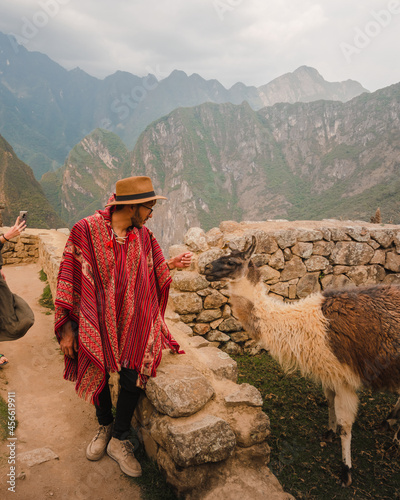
(50, 415)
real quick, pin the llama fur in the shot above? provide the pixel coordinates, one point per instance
(343, 339)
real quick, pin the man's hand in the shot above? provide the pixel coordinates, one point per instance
(180, 261)
(69, 341)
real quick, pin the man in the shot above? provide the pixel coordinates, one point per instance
(112, 291)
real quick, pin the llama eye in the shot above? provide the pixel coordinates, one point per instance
(230, 263)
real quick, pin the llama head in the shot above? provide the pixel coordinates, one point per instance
(231, 267)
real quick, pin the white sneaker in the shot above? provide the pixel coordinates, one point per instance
(122, 452)
(97, 446)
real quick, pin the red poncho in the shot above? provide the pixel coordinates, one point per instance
(120, 319)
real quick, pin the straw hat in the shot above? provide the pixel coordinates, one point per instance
(134, 190)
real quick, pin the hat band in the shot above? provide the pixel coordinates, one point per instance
(128, 197)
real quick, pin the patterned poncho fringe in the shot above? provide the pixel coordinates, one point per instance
(86, 294)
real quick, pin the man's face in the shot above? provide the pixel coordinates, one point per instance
(141, 214)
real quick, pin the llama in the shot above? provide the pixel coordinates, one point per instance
(344, 339)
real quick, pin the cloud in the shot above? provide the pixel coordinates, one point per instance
(252, 41)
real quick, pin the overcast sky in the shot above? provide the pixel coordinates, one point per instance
(252, 41)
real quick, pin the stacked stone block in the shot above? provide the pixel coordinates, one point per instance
(201, 427)
(21, 249)
(294, 262)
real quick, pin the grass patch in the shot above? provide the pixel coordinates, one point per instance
(3, 419)
(46, 299)
(299, 414)
(42, 276)
(153, 485)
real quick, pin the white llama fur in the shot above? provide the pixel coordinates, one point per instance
(296, 334)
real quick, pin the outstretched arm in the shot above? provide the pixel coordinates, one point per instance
(15, 230)
(180, 261)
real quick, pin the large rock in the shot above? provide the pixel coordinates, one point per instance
(186, 303)
(220, 363)
(201, 328)
(250, 428)
(308, 235)
(338, 281)
(214, 237)
(207, 257)
(303, 250)
(352, 253)
(358, 233)
(308, 284)
(293, 269)
(209, 315)
(316, 263)
(269, 275)
(361, 275)
(383, 236)
(189, 281)
(285, 238)
(209, 439)
(323, 248)
(277, 260)
(245, 395)
(217, 336)
(184, 480)
(196, 239)
(232, 349)
(214, 300)
(179, 391)
(230, 325)
(266, 243)
(281, 289)
(392, 262)
(379, 257)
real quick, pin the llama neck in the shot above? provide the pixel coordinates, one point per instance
(246, 287)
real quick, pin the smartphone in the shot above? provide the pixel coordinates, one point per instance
(23, 215)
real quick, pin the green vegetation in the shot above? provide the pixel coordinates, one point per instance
(153, 485)
(21, 191)
(3, 419)
(46, 299)
(306, 467)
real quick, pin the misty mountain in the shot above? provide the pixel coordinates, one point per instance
(46, 110)
(21, 191)
(214, 162)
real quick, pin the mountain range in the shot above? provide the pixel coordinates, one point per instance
(296, 148)
(46, 110)
(21, 191)
(214, 162)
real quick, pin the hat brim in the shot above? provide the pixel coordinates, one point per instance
(136, 202)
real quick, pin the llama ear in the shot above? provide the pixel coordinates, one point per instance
(250, 248)
(232, 245)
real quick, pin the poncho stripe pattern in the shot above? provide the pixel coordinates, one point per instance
(117, 303)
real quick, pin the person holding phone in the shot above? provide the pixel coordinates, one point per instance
(14, 231)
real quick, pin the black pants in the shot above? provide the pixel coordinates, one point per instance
(126, 404)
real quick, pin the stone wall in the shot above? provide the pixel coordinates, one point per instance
(25, 248)
(295, 258)
(37, 245)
